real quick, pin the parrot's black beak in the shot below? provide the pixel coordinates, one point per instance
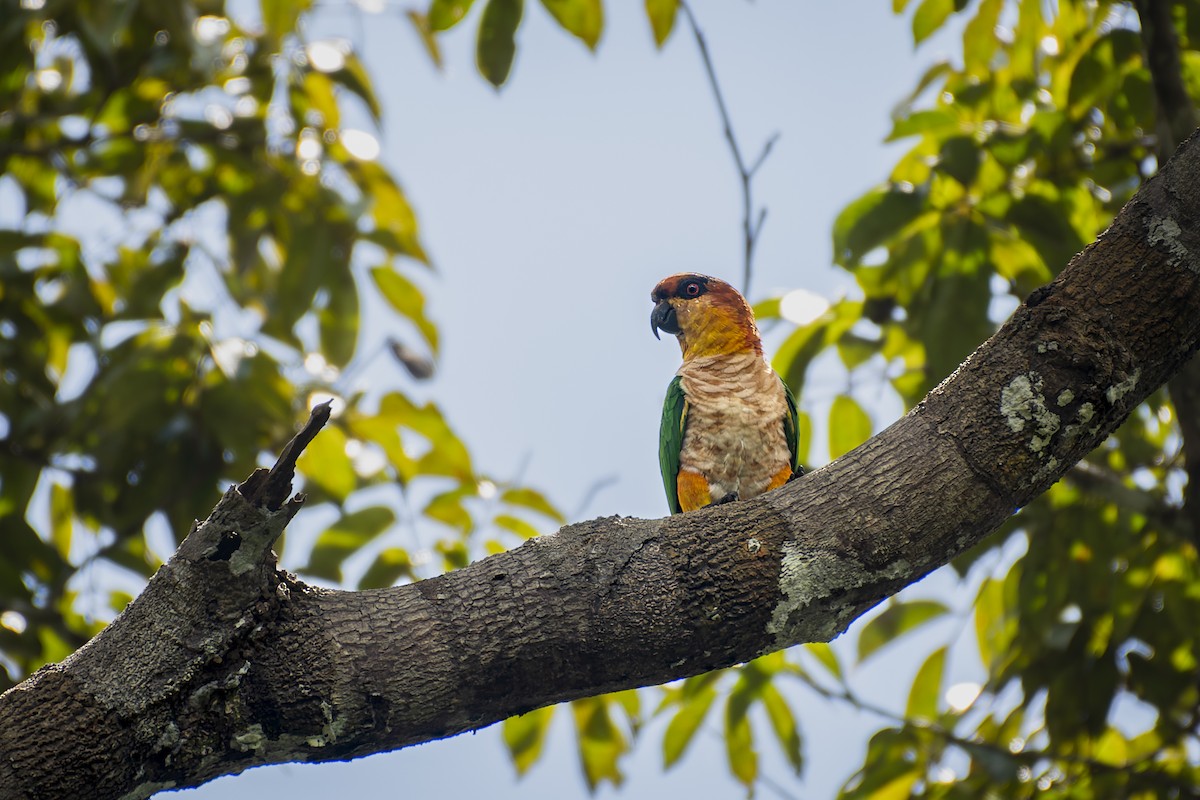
(662, 318)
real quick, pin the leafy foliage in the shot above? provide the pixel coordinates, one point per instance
(196, 234)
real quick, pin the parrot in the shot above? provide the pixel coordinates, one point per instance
(730, 424)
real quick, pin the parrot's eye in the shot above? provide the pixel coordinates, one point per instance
(691, 289)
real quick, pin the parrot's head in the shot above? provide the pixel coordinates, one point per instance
(708, 316)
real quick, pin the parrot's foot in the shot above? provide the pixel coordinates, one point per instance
(732, 497)
(799, 471)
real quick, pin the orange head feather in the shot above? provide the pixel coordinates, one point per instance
(708, 315)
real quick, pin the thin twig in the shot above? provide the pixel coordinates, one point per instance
(751, 227)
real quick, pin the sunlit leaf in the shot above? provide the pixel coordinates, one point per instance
(783, 722)
(662, 18)
(583, 18)
(601, 743)
(325, 465)
(534, 500)
(895, 620)
(445, 14)
(926, 688)
(344, 538)
(739, 737)
(525, 736)
(496, 45)
(930, 16)
(849, 425)
(389, 566)
(682, 728)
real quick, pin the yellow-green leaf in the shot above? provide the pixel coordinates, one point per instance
(324, 464)
(445, 14)
(601, 744)
(739, 738)
(930, 16)
(683, 726)
(526, 735)
(783, 722)
(896, 620)
(927, 687)
(497, 45)
(662, 18)
(344, 538)
(824, 654)
(62, 516)
(420, 23)
(849, 426)
(534, 500)
(515, 525)
(583, 18)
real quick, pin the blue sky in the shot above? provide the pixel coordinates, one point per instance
(550, 209)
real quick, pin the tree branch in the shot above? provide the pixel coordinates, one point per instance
(750, 228)
(224, 662)
(1176, 120)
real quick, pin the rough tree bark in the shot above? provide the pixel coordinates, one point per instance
(224, 662)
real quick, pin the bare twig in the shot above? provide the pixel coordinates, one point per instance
(752, 222)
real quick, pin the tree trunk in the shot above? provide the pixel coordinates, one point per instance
(224, 662)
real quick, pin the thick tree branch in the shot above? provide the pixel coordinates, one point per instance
(1176, 120)
(224, 663)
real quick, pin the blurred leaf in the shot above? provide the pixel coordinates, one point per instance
(783, 722)
(445, 14)
(406, 299)
(425, 31)
(534, 500)
(871, 220)
(496, 45)
(849, 426)
(344, 538)
(62, 518)
(389, 567)
(515, 525)
(927, 688)
(828, 658)
(683, 726)
(600, 742)
(583, 18)
(280, 16)
(929, 17)
(325, 465)
(894, 621)
(739, 738)
(525, 736)
(662, 18)
(338, 323)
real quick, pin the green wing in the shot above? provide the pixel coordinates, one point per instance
(670, 441)
(791, 429)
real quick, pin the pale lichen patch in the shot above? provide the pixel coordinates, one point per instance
(808, 577)
(250, 739)
(1065, 397)
(1164, 233)
(1119, 390)
(1023, 403)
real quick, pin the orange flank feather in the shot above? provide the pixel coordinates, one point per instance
(693, 490)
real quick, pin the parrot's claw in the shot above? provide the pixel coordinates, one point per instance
(732, 497)
(799, 471)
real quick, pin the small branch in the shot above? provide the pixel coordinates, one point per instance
(271, 487)
(750, 228)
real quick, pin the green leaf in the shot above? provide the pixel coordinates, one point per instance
(930, 15)
(337, 322)
(525, 737)
(849, 426)
(534, 500)
(389, 566)
(600, 742)
(325, 465)
(828, 658)
(783, 722)
(583, 18)
(406, 299)
(448, 508)
(662, 18)
(896, 620)
(445, 14)
(979, 38)
(62, 518)
(927, 687)
(871, 220)
(515, 525)
(281, 16)
(496, 45)
(344, 538)
(739, 737)
(683, 726)
(420, 23)
(992, 634)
